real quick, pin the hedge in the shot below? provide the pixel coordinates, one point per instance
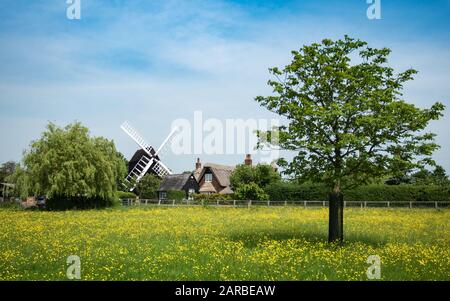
(176, 195)
(126, 195)
(79, 202)
(370, 193)
(213, 197)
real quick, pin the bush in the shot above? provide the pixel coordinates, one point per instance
(420, 193)
(284, 191)
(10, 205)
(213, 197)
(261, 174)
(148, 187)
(177, 195)
(371, 193)
(126, 195)
(79, 202)
(251, 192)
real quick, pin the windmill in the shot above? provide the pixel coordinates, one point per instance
(151, 158)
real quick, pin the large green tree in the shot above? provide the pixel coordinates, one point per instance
(148, 186)
(69, 163)
(346, 119)
(261, 174)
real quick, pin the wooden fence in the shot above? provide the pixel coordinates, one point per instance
(304, 204)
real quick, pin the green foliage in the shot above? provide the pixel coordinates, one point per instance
(347, 120)
(176, 195)
(126, 195)
(10, 205)
(284, 191)
(21, 179)
(79, 202)
(243, 174)
(406, 193)
(251, 192)
(148, 186)
(426, 177)
(261, 174)
(6, 170)
(213, 197)
(371, 193)
(70, 167)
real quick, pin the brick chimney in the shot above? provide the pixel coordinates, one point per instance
(248, 160)
(198, 165)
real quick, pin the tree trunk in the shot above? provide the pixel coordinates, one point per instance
(336, 218)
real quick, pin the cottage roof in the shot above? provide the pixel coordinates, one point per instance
(222, 173)
(174, 182)
(207, 187)
(226, 190)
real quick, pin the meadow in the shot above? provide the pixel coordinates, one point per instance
(199, 243)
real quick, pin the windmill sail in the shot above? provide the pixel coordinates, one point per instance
(138, 172)
(151, 159)
(134, 134)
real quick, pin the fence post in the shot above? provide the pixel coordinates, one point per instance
(159, 202)
(217, 202)
(410, 205)
(234, 203)
(285, 203)
(249, 204)
(304, 204)
(389, 204)
(268, 203)
(361, 205)
(345, 204)
(365, 204)
(173, 202)
(323, 204)
(436, 205)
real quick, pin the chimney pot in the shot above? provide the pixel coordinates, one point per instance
(248, 160)
(198, 165)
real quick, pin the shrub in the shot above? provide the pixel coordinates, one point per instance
(284, 191)
(176, 195)
(126, 195)
(213, 197)
(371, 193)
(251, 192)
(148, 186)
(261, 174)
(79, 202)
(421, 193)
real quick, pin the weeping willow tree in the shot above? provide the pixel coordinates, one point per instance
(71, 168)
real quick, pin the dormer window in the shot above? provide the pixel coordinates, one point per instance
(208, 177)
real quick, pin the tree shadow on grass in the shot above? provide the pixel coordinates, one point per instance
(251, 239)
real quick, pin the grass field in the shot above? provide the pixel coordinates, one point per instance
(223, 244)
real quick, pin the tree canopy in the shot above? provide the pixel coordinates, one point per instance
(347, 120)
(261, 174)
(67, 162)
(7, 169)
(148, 186)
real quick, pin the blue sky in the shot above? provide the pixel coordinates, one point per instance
(151, 62)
